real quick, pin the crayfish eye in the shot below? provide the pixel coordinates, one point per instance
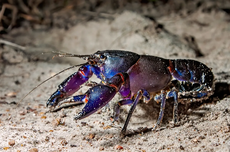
(102, 56)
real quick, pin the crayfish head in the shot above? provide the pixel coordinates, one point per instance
(97, 58)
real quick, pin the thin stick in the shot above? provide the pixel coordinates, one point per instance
(12, 44)
(49, 79)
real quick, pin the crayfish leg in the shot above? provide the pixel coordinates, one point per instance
(140, 93)
(127, 102)
(174, 94)
(118, 106)
(161, 97)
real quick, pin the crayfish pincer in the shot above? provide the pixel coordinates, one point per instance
(134, 76)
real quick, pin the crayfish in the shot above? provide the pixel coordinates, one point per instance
(135, 77)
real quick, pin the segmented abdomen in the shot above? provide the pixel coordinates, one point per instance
(189, 73)
(192, 71)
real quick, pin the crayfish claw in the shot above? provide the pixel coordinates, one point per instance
(55, 98)
(96, 98)
(67, 100)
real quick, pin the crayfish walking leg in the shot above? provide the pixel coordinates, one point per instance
(140, 93)
(162, 98)
(174, 94)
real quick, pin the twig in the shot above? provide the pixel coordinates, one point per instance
(14, 13)
(12, 44)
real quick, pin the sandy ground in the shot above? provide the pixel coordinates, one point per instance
(27, 126)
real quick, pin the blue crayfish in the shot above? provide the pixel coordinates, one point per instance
(134, 76)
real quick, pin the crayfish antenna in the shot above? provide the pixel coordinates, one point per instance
(71, 55)
(50, 78)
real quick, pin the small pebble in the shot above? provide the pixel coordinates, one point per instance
(91, 136)
(101, 148)
(47, 138)
(64, 142)
(29, 109)
(181, 147)
(107, 127)
(33, 150)
(43, 117)
(12, 142)
(6, 148)
(118, 147)
(23, 112)
(56, 122)
(83, 123)
(11, 94)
